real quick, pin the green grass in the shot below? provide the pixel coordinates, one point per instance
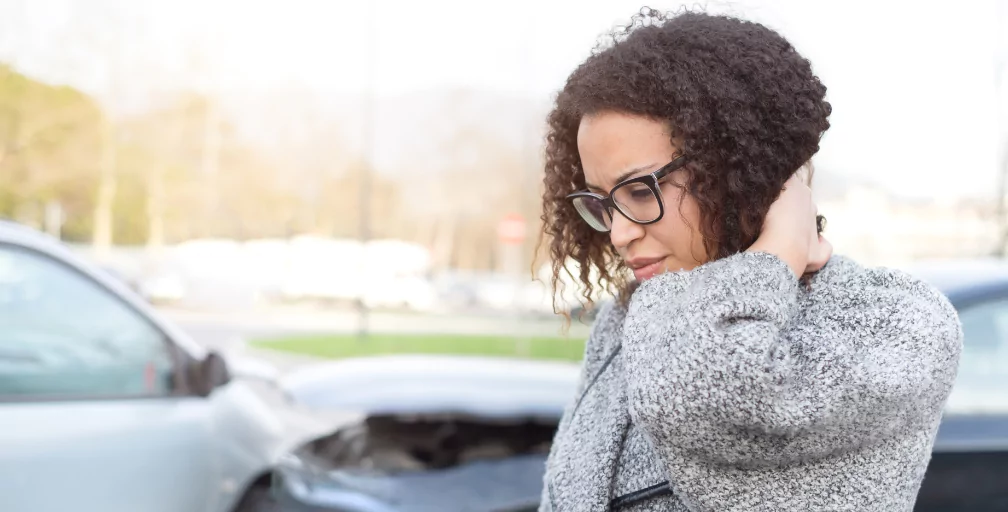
(347, 345)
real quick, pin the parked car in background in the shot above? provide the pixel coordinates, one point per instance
(969, 465)
(106, 406)
(401, 292)
(439, 433)
(162, 288)
(341, 271)
(130, 282)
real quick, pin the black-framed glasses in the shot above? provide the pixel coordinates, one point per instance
(638, 199)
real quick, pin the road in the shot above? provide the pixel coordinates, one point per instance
(227, 331)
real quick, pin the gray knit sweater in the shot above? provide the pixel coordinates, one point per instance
(745, 390)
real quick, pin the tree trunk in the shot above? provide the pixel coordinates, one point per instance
(101, 238)
(210, 166)
(155, 209)
(444, 241)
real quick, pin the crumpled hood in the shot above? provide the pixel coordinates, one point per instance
(500, 405)
(489, 387)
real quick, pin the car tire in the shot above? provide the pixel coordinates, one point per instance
(259, 499)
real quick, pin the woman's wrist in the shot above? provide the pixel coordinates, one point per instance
(794, 259)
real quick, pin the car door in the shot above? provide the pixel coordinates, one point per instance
(969, 466)
(91, 414)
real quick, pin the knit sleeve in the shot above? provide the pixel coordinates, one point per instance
(732, 363)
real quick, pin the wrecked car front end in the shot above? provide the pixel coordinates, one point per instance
(475, 441)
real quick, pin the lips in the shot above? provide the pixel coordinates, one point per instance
(647, 268)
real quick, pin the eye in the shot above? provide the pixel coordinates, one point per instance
(639, 192)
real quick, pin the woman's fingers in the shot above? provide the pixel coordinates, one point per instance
(819, 255)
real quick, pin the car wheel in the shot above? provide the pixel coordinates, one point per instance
(259, 499)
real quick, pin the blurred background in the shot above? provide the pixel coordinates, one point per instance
(214, 213)
(365, 167)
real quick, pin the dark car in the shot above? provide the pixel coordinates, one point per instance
(969, 464)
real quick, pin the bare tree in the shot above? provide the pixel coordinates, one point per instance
(98, 31)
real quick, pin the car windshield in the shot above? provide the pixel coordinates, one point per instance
(62, 333)
(982, 384)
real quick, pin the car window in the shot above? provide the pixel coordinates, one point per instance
(62, 334)
(982, 385)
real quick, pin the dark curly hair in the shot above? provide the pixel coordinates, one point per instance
(738, 100)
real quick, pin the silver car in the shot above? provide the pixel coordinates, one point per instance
(106, 407)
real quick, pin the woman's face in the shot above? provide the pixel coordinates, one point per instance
(615, 147)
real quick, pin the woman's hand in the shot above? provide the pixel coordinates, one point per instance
(790, 233)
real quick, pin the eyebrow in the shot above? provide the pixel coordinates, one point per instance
(622, 177)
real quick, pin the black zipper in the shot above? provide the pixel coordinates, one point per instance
(647, 493)
(630, 498)
(595, 379)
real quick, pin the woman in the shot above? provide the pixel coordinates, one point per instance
(744, 367)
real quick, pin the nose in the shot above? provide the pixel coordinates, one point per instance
(623, 231)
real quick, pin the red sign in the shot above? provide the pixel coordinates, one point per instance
(511, 229)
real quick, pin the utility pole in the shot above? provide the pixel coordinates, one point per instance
(1001, 111)
(364, 190)
(526, 162)
(101, 238)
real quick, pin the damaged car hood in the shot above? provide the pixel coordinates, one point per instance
(489, 387)
(434, 433)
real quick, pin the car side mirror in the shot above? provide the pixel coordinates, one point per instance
(210, 374)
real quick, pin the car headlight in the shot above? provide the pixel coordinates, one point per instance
(302, 485)
(293, 465)
(294, 479)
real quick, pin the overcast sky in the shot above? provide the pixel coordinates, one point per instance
(912, 83)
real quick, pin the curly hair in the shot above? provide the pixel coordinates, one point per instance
(737, 99)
